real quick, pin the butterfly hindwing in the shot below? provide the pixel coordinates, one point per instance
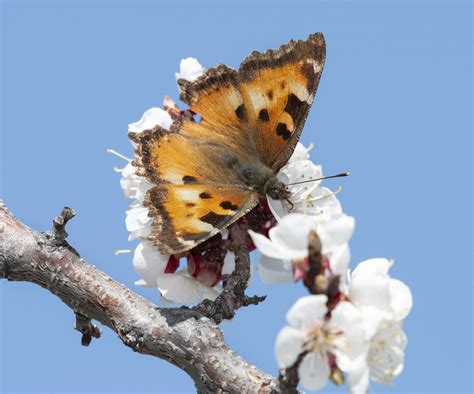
(185, 215)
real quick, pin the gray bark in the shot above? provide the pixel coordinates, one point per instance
(182, 336)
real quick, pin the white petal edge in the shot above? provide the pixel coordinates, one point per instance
(401, 299)
(151, 117)
(314, 371)
(288, 346)
(264, 245)
(149, 262)
(179, 288)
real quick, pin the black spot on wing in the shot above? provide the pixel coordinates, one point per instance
(295, 107)
(229, 205)
(270, 94)
(263, 115)
(190, 204)
(188, 179)
(213, 219)
(240, 112)
(205, 196)
(283, 131)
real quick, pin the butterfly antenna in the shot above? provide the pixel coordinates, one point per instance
(342, 174)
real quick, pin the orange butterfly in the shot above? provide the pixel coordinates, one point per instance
(208, 174)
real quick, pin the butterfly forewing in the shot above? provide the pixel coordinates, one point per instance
(265, 103)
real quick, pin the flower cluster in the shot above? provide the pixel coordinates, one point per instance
(350, 324)
(360, 335)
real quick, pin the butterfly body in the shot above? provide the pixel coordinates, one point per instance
(208, 174)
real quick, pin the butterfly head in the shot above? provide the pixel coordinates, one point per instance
(276, 189)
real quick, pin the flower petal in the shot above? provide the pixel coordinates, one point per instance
(300, 171)
(189, 69)
(277, 208)
(377, 266)
(386, 356)
(370, 288)
(151, 118)
(179, 288)
(264, 245)
(149, 262)
(350, 345)
(314, 371)
(359, 379)
(307, 311)
(336, 232)
(292, 236)
(136, 218)
(300, 152)
(322, 203)
(402, 300)
(288, 346)
(210, 293)
(339, 261)
(274, 271)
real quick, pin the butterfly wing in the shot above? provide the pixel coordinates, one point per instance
(265, 103)
(186, 215)
(251, 120)
(196, 194)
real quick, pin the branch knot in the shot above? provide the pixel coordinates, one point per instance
(58, 232)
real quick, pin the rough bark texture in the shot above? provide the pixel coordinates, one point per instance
(184, 337)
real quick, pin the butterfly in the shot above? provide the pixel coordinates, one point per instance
(208, 174)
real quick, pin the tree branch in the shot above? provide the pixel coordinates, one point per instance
(184, 337)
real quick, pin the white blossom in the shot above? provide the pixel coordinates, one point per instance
(289, 240)
(189, 69)
(151, 118)
(178, 286)
(138, 222)
(384, 303)
(149, 263)
(300, 152)
(134, 186)
(310, 197)
(341, 335)
(183, 288)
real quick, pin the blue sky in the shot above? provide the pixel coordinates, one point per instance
(393, 108)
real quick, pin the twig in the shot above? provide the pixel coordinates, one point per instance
(58, 232)
(289, 378)
(88, 330)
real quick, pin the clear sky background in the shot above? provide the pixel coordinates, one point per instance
(393, 108)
